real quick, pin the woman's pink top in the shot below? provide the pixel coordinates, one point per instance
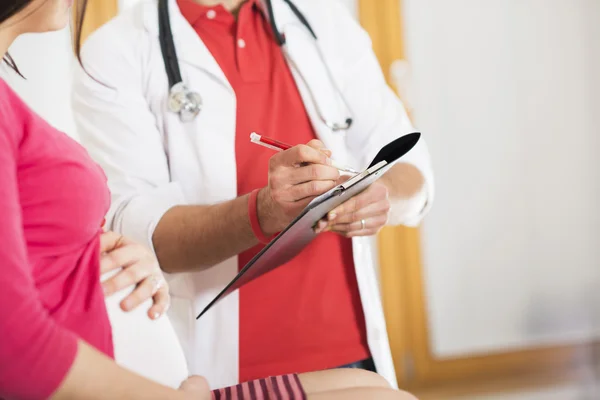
(52, 202)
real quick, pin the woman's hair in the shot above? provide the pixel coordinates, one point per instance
(80, 8)
(9, 8)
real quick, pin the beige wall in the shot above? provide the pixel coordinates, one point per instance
(507, 94)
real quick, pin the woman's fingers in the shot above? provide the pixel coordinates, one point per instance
(133, 272)
(145, 290)
(162, 300)
(196, 386)
(110, 241)
(123, 256)
(138, 268)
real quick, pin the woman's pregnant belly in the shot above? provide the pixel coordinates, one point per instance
(146, 347)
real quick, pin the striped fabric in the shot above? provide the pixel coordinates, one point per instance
(286, 387)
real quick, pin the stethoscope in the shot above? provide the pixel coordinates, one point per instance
(188, 103)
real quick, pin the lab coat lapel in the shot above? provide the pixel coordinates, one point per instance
(188, 45)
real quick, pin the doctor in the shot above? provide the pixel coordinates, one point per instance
(174, 90)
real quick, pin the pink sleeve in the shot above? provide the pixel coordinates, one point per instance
(35, 352)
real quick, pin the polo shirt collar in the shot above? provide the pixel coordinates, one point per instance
(195, 13)
(283, 16)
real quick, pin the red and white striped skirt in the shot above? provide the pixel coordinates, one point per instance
(286, 387)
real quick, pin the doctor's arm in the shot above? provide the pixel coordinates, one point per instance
(196, 237)
(121, 133)
(410, 183)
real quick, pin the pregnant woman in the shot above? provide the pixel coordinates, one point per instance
(56, 339)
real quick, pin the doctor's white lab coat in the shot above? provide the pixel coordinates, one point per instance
(154, 161)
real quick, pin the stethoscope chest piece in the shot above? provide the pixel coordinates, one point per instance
(184, 102)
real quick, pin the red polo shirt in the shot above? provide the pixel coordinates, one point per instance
(306, 315)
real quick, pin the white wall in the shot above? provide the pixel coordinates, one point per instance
(507, 93)
(46, 61)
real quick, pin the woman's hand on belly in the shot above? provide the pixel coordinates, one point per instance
(139, 269)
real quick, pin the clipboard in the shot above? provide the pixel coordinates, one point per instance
(300, 232)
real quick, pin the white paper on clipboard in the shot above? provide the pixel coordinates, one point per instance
(299, 233)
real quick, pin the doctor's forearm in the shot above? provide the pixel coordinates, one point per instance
(193, 238)
(407, 192)
(403, 181)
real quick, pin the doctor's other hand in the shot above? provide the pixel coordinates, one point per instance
(296, 176)
(363, 215)
(138, 268)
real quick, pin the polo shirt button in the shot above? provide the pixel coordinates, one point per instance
(211, 14)
(241, 43)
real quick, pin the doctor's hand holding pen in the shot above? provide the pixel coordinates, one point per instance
(299, 174)
(296, 176)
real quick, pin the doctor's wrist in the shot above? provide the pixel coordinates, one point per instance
(265, 210)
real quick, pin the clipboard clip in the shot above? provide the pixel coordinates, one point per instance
(373, 170)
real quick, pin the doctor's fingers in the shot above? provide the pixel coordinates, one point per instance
(376, 193)
(307, 190)
(371, 210)
(365, 227)
(122, 256)
(299, 155)
(310, 172)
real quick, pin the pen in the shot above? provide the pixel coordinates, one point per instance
(279, 146)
